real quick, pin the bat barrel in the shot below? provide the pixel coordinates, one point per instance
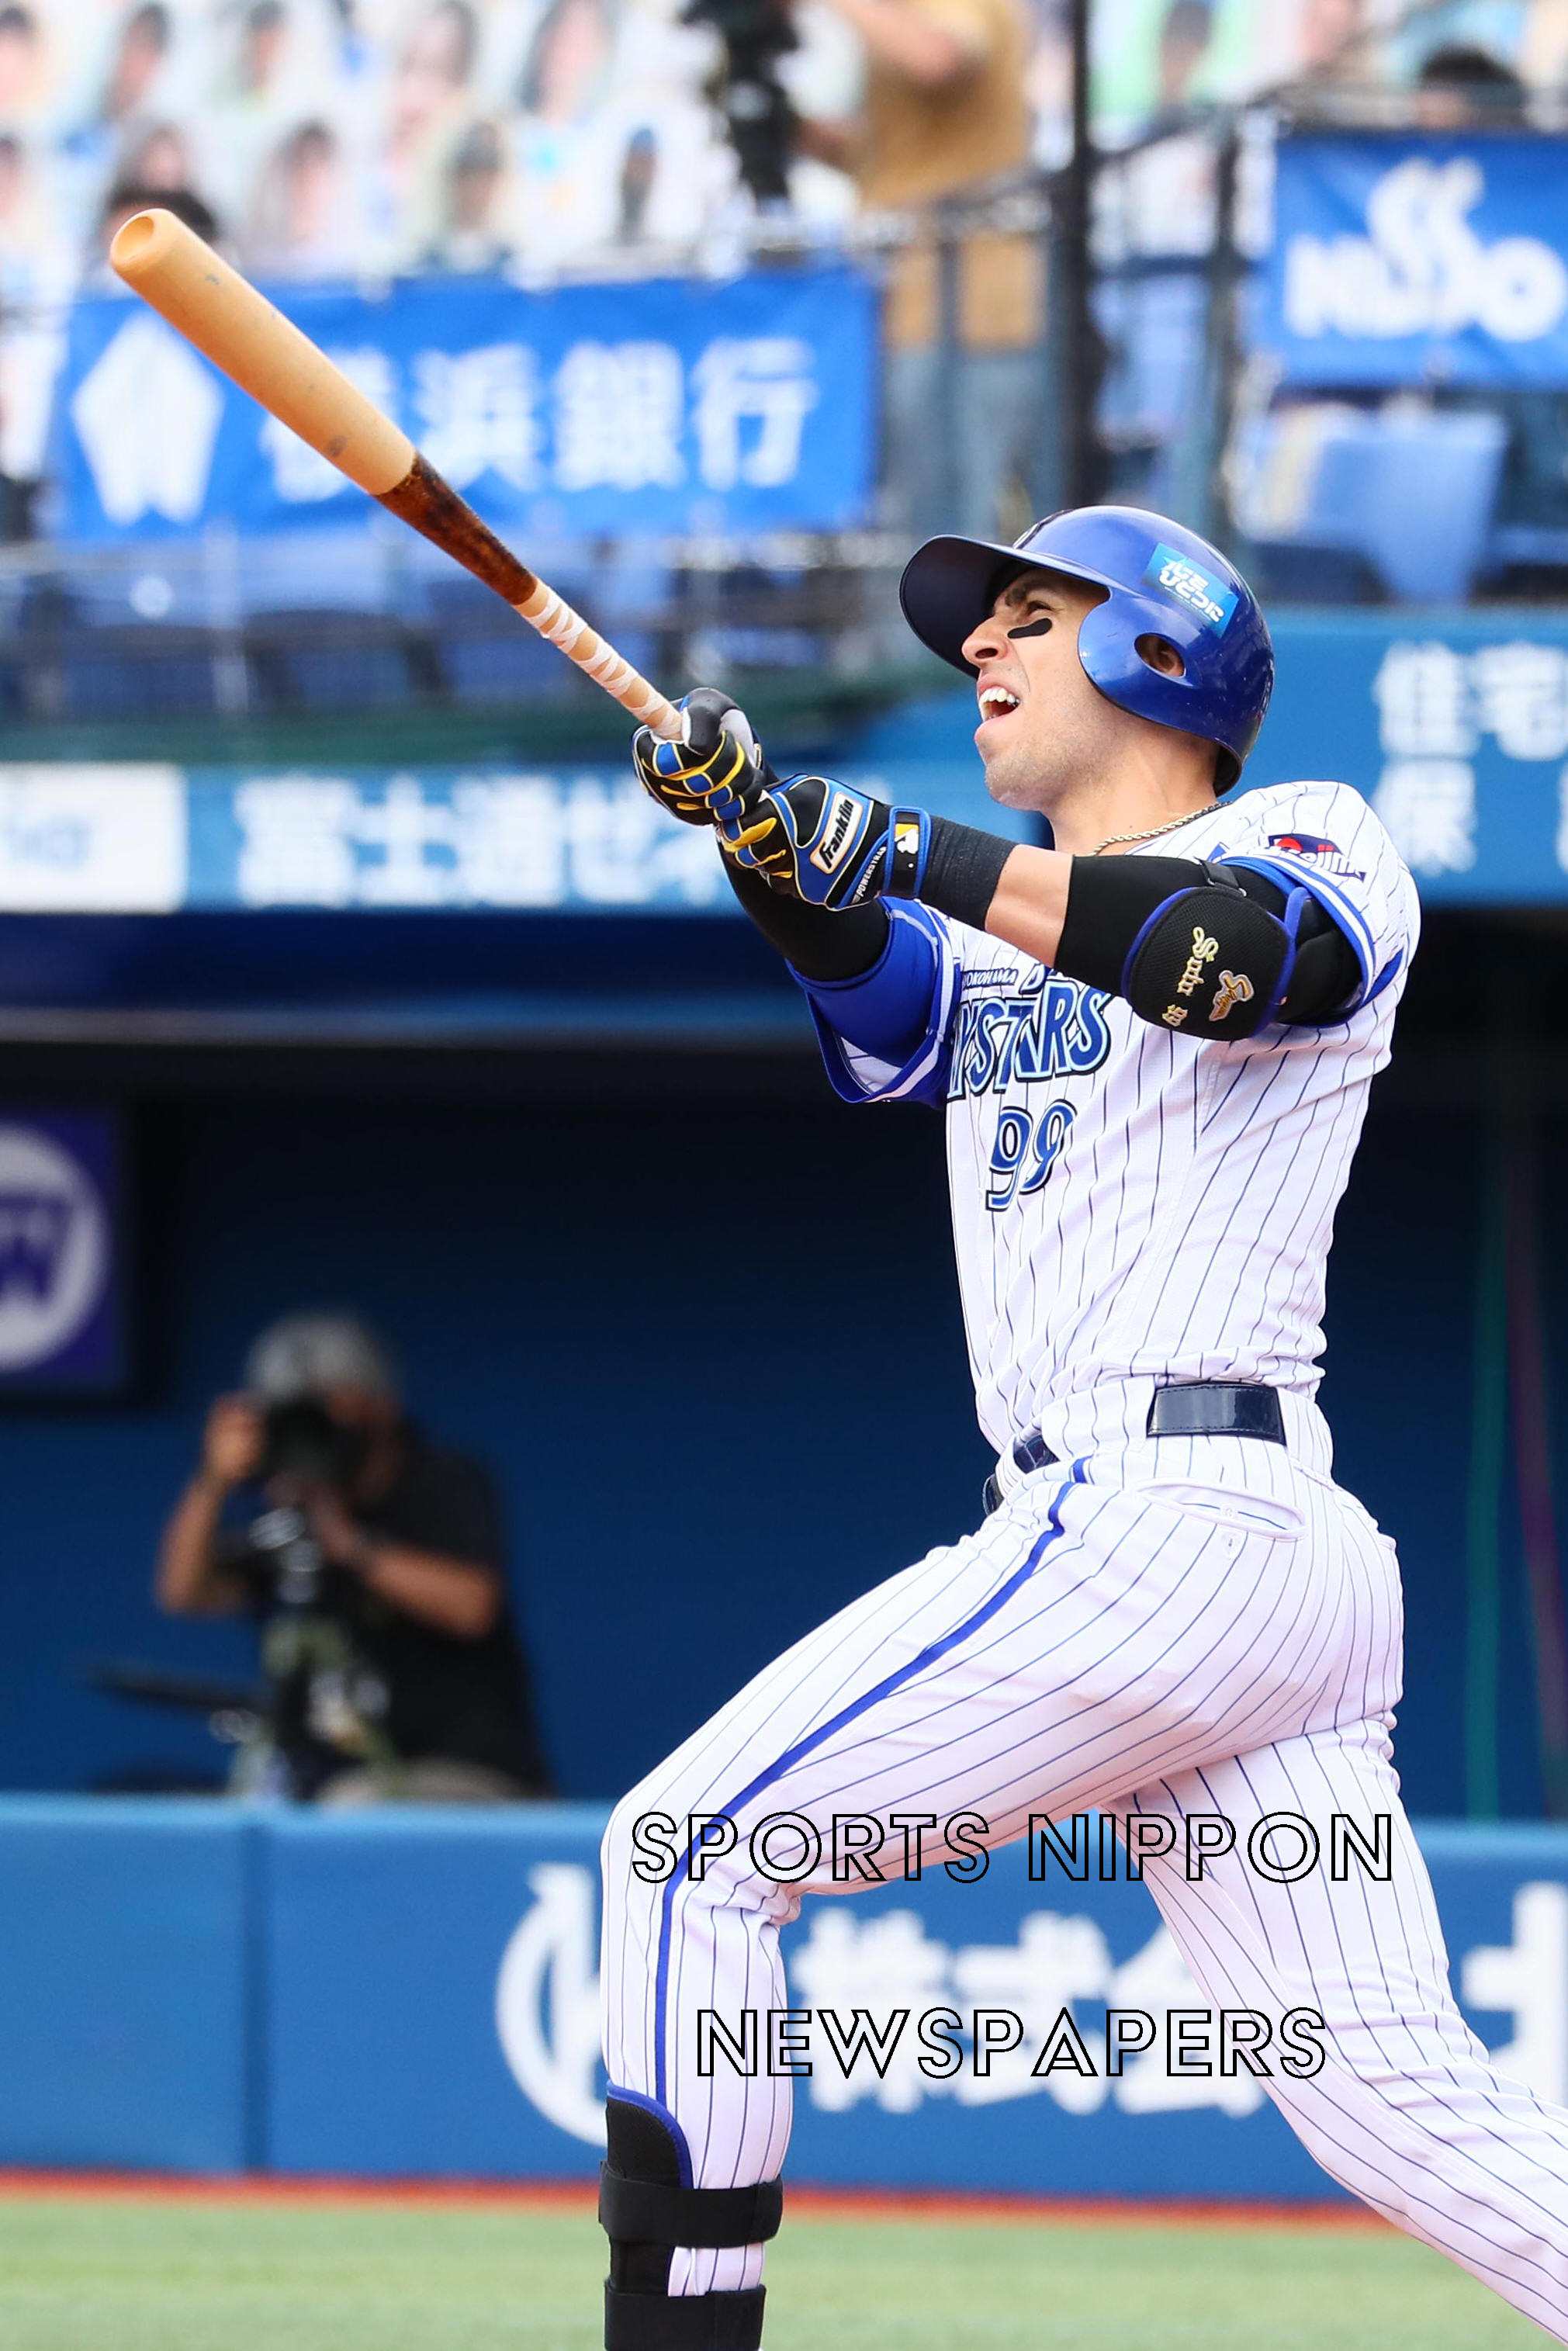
(264, 353)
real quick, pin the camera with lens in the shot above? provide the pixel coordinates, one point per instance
(759, 119)
(301, 1440)
(302, 1446)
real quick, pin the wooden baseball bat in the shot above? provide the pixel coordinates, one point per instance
(266, 355)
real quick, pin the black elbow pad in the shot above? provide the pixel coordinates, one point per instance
(1209, 962)
(1215, 951)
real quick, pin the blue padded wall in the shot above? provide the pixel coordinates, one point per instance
(703, 1449)
(127, 2031)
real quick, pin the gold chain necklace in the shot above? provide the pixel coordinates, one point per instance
(1174, 824)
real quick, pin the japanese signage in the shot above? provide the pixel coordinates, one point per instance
(152, 840)
(654, 406)
(1396, 260)
(1457, 733)
(586, 840)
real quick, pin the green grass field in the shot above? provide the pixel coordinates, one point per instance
(114, 2273)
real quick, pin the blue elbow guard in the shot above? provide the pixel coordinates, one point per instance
(887, 1009)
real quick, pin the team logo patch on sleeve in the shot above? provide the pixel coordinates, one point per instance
(1326, 854)
(1188, 583)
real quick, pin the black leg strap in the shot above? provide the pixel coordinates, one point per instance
(644, 2212)
(693, 2322)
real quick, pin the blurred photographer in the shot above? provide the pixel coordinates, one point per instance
(945, 119)
(375, 1563)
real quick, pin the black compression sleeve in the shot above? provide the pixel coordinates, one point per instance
(1109, 900)
(962, 869)
(819, 943)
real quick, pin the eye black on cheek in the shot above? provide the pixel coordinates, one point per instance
(1032, 628)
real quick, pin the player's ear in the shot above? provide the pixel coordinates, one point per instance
(1160, 654)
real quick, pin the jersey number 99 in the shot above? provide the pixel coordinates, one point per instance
(1025, 1150)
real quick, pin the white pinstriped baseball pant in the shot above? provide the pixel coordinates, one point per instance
(1185, 1626)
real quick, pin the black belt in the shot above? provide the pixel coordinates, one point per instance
(1186, 1408)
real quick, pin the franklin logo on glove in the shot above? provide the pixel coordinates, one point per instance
(838, 831)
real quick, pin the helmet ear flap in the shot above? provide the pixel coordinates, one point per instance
(1108, 648)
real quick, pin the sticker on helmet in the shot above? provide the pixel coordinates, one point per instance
(1191, 585)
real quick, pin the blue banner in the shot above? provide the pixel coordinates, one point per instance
(1456, 732)
(664, 405)
(1455, 728)
(1401, 260)
(413, 1992)
(159, 840)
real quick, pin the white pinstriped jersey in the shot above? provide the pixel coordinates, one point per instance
(1129, 1202)
(1180, 1627)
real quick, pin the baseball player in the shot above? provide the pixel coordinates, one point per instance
(1153, 1041)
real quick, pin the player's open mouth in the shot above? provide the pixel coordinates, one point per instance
(996, 701)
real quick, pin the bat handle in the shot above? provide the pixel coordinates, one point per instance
(554, 619)
(430, 504)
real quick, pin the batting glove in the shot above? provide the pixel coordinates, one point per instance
(820, 841)
(704, 775)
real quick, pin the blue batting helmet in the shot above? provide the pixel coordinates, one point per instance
(1163, 581)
